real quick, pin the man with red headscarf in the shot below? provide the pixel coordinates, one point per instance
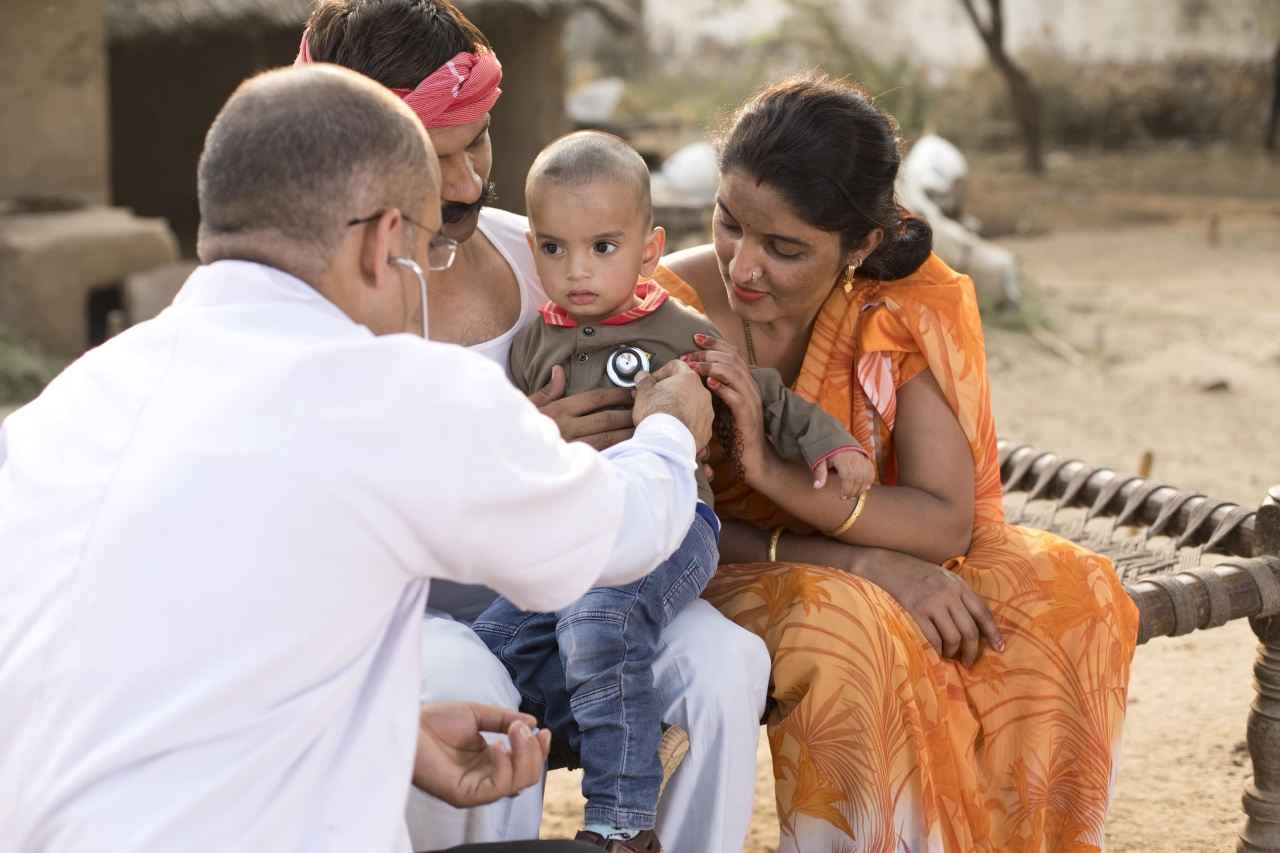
(712, 674)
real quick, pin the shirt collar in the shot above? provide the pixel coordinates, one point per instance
(651, 296)
(237, 282)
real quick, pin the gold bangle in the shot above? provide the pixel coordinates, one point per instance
(853, 517)
(773, 543)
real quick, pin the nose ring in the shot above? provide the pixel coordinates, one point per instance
(754, 274)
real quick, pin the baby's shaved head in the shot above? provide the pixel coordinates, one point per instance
(589, 156)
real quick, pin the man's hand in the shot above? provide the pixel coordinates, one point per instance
(457, 765)
(591, 417)
(677, 391)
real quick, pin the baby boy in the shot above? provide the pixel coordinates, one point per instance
(586, 671)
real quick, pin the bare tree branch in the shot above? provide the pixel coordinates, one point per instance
(1022, 96)
(973, 16)
(986, 31)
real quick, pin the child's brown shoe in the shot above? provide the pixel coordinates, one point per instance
(645, 842)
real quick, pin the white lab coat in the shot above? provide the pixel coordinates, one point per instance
(215, 535)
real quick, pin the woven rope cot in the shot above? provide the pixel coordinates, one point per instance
(1189, 561)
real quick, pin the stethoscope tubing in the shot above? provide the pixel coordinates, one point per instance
(412, 266)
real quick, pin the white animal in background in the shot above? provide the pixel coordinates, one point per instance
(691, 172)
(594, 103)
(933, 183)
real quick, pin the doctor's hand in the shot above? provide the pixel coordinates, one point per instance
(677, 391)
(600, 418)
(457, 765)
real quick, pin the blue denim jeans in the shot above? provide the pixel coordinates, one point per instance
(587, 673)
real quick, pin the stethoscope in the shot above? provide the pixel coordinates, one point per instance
(413, 267)
(624, 363)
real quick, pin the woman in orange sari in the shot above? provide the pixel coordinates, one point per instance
(943, 681)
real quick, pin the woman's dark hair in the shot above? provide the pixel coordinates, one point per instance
(833, 154)
(395, 42)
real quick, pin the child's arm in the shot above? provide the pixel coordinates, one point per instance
(803, 431)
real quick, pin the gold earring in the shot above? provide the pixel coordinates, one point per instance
(849, 272)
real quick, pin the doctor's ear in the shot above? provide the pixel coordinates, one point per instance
(381, 241)
(653, 251)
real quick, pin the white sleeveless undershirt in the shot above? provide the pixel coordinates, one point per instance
(506, 232)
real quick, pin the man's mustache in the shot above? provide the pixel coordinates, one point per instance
(452, 212)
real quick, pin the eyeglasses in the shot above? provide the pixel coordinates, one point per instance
(440, 251)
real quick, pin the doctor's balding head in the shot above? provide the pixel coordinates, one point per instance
(324, 174)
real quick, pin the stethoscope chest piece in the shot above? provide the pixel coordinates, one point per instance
(624, 363)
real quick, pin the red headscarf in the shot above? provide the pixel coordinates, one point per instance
(458, 92)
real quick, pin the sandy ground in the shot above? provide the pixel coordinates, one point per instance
(1131, 279)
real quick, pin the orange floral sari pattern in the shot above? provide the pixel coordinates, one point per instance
(878, 744)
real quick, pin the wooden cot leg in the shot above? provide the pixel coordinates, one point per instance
(1262, 794)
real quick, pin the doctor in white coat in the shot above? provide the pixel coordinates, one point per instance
(217, 530)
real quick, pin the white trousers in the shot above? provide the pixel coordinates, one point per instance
(713, 677)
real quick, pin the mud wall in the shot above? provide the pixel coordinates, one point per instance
(53, 100)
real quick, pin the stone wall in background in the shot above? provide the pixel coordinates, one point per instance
(937, 34)
(1188, 101)
(53, 109)
(1109, 73)
(63, 273)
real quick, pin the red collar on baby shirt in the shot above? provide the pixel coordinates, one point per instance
(651, 296)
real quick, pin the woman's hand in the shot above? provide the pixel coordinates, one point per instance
(951, 616)
(600, 418)
(729, 378)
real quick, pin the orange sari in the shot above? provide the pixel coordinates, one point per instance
(879, 744)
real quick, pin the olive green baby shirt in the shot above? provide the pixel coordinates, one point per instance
(800, 430)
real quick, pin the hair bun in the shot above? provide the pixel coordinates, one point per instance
(902, 251)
